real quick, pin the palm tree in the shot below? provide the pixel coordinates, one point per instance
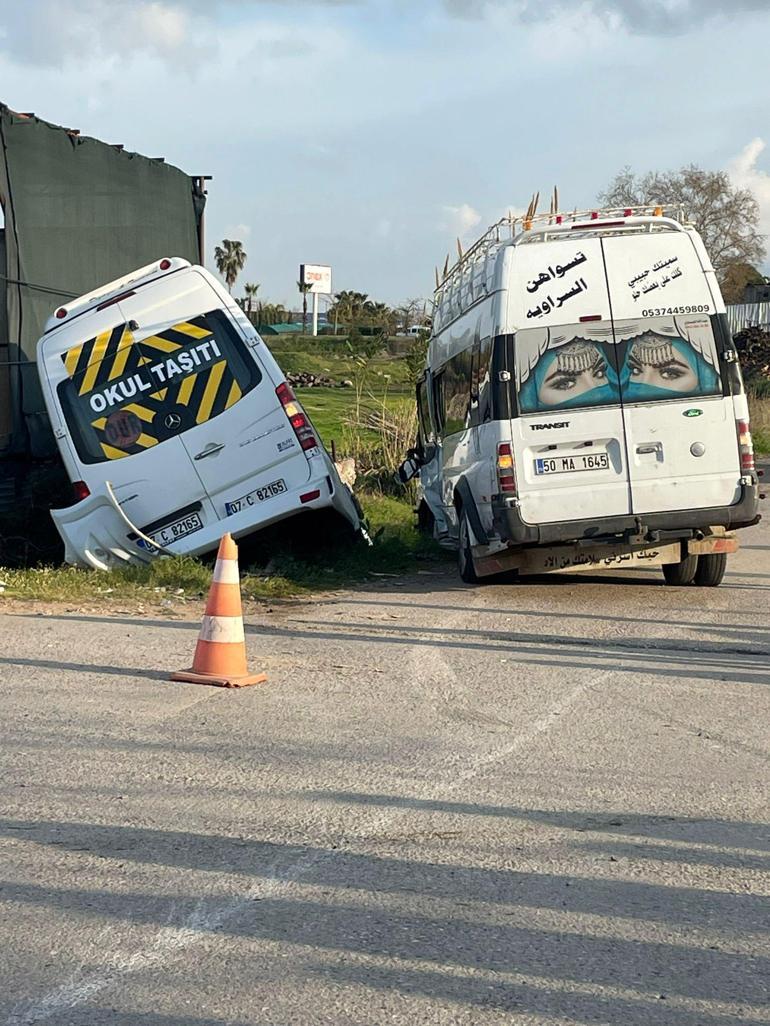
(230, 258)
(304, 288)
(251, 294)
(350, 307)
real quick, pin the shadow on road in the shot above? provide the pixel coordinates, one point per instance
(747, 663)
(445, 917)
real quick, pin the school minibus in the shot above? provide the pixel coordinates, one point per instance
(174, 421)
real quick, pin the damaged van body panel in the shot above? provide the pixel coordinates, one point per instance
(94, 533)
(176, 420)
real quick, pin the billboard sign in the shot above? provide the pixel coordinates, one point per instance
(318, 276)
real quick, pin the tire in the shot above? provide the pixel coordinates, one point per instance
(680, 574)
(464, 554)
(711, 570)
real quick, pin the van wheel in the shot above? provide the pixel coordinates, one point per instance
(464, 554)
(711, 569)
(682, 573)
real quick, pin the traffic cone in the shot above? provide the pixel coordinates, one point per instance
(220, 655)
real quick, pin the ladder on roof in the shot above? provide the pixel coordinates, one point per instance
(505, 229)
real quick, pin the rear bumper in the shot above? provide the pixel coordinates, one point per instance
(511, 528)
(98, 534)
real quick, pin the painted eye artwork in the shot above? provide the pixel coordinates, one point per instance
(654, 361)
(576, 374)
(648, 367)
(661, 366)
(577, 368)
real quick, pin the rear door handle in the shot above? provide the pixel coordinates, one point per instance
(210, 450)
(644, 450)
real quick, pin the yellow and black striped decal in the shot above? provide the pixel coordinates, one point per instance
(138, 393)
(102, 359)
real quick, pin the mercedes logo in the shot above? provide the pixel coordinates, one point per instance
(172, 421)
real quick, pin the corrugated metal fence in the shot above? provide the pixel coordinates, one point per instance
(748, 315)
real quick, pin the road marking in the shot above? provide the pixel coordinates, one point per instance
(172, 940)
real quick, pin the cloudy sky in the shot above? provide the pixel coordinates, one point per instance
(369, 133)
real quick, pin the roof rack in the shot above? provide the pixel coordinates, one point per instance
(506, 229)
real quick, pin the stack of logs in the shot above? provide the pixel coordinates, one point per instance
(307, 380)
(753, 345)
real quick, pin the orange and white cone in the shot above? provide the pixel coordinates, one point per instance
(220, 655)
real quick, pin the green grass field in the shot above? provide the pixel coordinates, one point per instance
(297, 565)
(333, 358)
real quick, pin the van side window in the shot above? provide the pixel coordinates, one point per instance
(438, 403)
(125, 396)
(457, 392)
(423, 411)
(481, 384)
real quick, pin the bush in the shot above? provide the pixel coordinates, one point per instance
(377, 435)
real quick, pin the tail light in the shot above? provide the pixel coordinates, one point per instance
(506, 470)
(297, 417)
(745, 445)
(81, 490)
(117, 299)
(310, 496)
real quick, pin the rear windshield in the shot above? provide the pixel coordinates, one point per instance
(123, 397)
(590, 364)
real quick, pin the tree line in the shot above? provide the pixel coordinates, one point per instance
(350, 310)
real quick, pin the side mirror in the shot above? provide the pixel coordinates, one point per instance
(408, 470)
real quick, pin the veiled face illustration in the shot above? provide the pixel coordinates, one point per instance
(573, 370)
(657, 361)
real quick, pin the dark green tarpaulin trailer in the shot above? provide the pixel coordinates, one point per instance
(78, 213)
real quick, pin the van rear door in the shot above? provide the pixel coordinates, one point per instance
(680, 426)
(95, 373)
(568, 439)
(216, 396)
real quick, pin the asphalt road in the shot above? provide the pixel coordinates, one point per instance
(520, 804)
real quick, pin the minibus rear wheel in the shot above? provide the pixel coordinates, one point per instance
(464, 553)
(711, 569)
(682, 573)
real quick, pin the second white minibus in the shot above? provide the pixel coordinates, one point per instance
(582, 405)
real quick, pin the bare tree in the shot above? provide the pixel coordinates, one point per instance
(726, 217)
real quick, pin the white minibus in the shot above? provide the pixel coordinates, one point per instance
(174, 421)
(582, 405)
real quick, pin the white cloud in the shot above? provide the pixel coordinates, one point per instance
(746, 174)
(239, 232)
(459, 220)
(652, 17)
(165, 26)
(44, 32)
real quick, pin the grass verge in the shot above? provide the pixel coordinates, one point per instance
(281, 563)
(759, 410)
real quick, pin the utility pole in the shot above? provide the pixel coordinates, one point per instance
(199, 181)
